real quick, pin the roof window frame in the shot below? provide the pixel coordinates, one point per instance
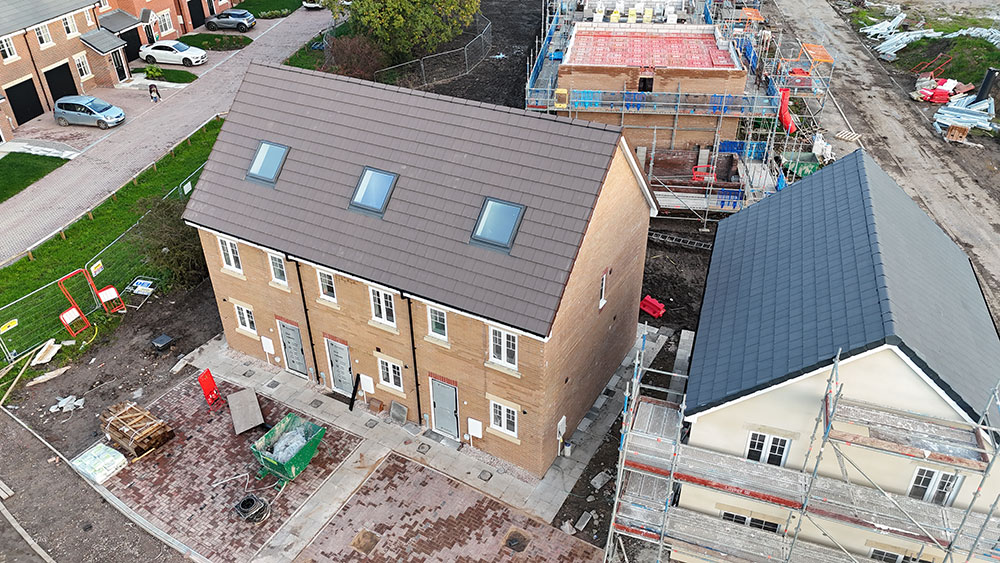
(362, 208)
(264, 180)
(487, 243)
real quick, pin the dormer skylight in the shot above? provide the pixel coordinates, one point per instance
(373, 191)
(497, 224)
(267, 163)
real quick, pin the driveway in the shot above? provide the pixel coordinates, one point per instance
(113, 158)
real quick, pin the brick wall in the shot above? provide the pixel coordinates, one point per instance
(696, 81)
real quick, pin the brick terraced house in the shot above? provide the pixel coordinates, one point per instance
(479, 265)
(50, 49)
(140, 22)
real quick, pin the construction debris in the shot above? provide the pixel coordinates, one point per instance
(965, 112)
(67, 404)
(991, 35)
(47, 376)
(939, 90)
(884, 28)
(47, 352)
(100, 463)
(894, 43)
(849, 136)
(600, 480)
(134, 429)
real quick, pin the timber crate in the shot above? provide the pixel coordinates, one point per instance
(134, 429)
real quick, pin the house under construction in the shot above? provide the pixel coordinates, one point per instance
(712, 104)
(842, 399)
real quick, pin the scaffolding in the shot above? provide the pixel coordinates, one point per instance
(655, 463)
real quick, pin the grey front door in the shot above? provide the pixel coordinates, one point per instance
(340, 367)
(445, 399)
(291, 343)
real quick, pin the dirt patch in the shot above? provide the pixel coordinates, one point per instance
(124, 367)
(584, 497)
(675, 276)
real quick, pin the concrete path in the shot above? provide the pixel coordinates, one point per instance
(67, 193)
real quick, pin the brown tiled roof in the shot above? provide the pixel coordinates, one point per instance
(450, 154)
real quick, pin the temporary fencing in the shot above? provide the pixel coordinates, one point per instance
(442, 66)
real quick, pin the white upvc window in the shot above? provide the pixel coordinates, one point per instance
(768, 449)
(935, 486)
(104, 4)
(882, 555)
(43, 35)
(69, 25)
(503, 418)
(90, 19)
(7, 50)
(244, 318)
(503, 348)
(278, 274)
(326, 288)
(604, 285)
(82, 66)
(437, 323)
(383, 309)
(230, 255)
(166, 22)
(390, 374)
(758, 523)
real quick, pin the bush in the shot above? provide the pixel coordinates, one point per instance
(408, 28)
(154, 72)
(168, 243)
(355, 56)
(272, 14)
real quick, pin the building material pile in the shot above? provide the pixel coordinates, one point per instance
(939, 90)
(134, 429)
(896, 42)
(883, 28)
(991, 35)
(966, 112)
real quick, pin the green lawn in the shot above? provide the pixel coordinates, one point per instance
(971, 56)
(306, 57)
(19, 170)
(172, 75)
(255, 7)
(217, 41)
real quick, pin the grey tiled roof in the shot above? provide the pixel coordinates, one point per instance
(117, 21)
(450, 155)
(841, 259)
(16, 15)
(146, 15)
(102, 41)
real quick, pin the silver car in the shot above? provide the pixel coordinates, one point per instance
(87, 110)
(233, 18)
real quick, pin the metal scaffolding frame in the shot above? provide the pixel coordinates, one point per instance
(654, 463)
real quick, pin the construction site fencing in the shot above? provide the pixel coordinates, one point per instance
(34, 318)
(443, 66)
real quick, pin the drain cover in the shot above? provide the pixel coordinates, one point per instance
(273, 384)
(317, 403)
(516, 540)
(365, 541)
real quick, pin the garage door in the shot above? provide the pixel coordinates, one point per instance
(197, 10)
(24, 101)
(60, 81)
(131, 39)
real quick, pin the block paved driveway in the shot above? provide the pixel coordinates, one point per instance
(407, 511)
(51, 203)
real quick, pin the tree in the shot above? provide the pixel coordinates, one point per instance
(354, 56)
(168, 244)
(337, 8)
(405, 28)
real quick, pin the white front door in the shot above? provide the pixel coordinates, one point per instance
(444, 399)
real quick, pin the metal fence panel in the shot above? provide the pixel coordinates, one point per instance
(442, 66)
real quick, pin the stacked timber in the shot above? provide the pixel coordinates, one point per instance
(134, 429)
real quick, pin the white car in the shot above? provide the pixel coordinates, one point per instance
(172, 52)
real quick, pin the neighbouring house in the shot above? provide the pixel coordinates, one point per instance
(140, 22)
(480, 266)
(841, 264)
(50, 49)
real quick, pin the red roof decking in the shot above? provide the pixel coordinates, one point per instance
(645, 49)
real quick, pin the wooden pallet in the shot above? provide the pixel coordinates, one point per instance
(134, 429)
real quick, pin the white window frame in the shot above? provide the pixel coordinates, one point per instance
(275, 266)
(430, 323)
(42, 31)
(387, 371)
(104, 4)
(7, 45)
(82, 64)
(769, 441)
(932, 488)
(604, 286)
(385, 302)
(245, 321)
(165, 21)
(505, 411)
(90, 18)
(505, 339)
(322, 288)
(69, 26)
(230, 255)
(898, 558)
(750, 521)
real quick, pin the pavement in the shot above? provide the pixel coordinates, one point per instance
(109, 159)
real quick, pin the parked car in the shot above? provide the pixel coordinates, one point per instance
(87, 110)
(233, 18)
(172, 52)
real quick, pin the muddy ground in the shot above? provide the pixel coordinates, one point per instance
(124, 367)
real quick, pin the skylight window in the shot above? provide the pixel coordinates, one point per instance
(267, 162)
(374, 188)
(498, 222)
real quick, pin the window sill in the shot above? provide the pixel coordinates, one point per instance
(167, 32)
(503, 435)
(247, 333)
(328, 303)
(438, 342)
(72, 35)
(502, 369)
(233, 273)
(279, 285)
(46, 46)
(391, 390)
(86, 78)
(383, 326)
(9, 60)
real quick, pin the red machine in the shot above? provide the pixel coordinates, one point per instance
(651, 306)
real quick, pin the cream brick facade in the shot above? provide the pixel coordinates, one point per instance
(558, 375)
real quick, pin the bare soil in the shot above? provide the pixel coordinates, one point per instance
(123, 367)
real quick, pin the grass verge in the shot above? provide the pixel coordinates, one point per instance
(307, 57)
(19, 170)
(172, 75)
(971, 56)
(217, 41)
(256, 7)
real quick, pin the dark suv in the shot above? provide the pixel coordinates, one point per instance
(233, 18)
